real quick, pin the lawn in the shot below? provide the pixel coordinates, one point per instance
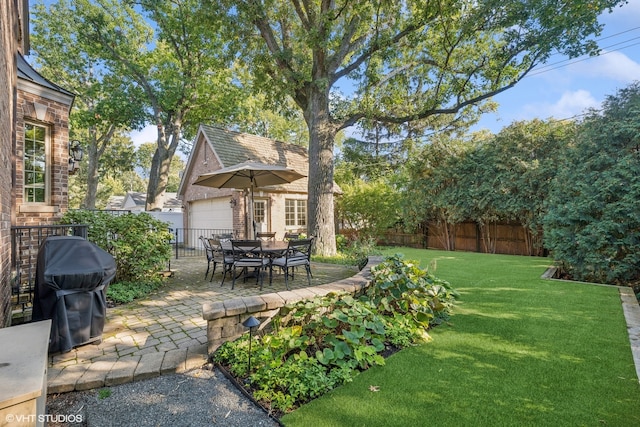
(518, 351)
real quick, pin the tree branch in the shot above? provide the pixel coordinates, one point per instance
(376, 46)
(304, 19)
(346, 45)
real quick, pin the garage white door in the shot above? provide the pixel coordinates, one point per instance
(211, 214)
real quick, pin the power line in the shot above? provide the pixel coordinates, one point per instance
(575, 61)
(549, 67)
(566, 62)
(607, 37)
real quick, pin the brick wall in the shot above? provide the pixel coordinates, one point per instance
(204, 161)
(57, 119)
(9, 44)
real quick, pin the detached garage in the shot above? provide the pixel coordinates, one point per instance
(210, 208)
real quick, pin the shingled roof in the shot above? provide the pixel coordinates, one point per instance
(236, 147)
(140, 200)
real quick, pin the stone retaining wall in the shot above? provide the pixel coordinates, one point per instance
(224, 318)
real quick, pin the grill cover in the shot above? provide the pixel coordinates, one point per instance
(72, 275)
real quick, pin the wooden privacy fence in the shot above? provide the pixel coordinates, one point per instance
(497, 238)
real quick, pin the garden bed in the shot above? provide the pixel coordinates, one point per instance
(321, 343)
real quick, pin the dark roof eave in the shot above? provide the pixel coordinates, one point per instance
(26, 72)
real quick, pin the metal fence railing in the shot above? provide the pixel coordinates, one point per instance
(186, 241)
(25, 243)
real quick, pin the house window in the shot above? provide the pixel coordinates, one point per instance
(295, 212)
(35, 163)
(259, 209)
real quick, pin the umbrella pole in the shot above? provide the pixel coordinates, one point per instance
(252, 231)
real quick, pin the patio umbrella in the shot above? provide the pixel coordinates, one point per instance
(249, 175)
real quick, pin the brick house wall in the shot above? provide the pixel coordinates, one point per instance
(204, 161)
(56, 118)
(11, 40)
(25, 95)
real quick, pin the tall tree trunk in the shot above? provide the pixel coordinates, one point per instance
(97, 146)
(160, 165)
(320, 190)
(89, 201)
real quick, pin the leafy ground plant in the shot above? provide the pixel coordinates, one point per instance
(319, 344)
(125, 292)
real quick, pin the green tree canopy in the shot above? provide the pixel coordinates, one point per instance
(106, 102)
(173, 54)
(487, 179)
(593, 221)
(396, 63)
(370, 207)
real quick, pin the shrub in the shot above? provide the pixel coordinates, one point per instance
(138, 242)
(354, 252)
(319, 344)
(593, 223)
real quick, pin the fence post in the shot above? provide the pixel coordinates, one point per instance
(175, 242)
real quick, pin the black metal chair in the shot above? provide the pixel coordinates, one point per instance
(227, 252)
(266, 236)
(209, 253)
(220, 256)
(291, 236)
(298, 254)
(247, 254)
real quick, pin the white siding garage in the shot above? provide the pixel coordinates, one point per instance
(211, 214)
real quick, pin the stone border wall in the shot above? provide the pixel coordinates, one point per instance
(224, 318)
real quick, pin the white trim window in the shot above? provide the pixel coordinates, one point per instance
(260, 211)
(295, 213)
(36, 164)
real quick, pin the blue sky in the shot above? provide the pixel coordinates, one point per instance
(569, 87)
(563, 88)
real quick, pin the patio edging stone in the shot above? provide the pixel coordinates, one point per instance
(224, 319)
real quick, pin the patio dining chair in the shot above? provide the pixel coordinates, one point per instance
(220, 256)
(208, 251)
(227, 252)
(298, 254)
(247, 254)
(291, 236)
(266, 236)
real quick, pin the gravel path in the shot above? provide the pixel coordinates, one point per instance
(197, 398)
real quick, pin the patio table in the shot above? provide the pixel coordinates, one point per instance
(274, 248)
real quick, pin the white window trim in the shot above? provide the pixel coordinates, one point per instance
(297, 224)
(260, 202)
(47, 169)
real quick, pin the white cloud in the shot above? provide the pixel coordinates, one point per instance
(612, 66)
(570, 104)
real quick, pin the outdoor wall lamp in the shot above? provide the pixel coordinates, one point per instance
(75, 156)
(250, 323)
(233, 202)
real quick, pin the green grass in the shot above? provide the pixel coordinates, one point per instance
(518, 351)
